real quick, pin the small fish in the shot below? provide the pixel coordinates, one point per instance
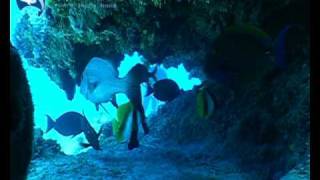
(166, 90)
(40, 4)
(69, 123)
(119, 124)
(72, 124)
(205, 103)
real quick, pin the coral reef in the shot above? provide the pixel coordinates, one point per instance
(262, 134)
(46, 47)
(118, 27)
(44, 148)
(156, 29)
(21, 118)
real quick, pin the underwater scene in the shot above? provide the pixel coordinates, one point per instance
(164, 89)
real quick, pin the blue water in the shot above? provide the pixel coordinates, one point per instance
(15, 15)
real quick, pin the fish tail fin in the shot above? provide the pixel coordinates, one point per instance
(50, 123)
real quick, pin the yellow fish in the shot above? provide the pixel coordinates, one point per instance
(119, 124)
(205, 103)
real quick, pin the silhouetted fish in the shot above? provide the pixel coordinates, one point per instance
(166, 90)
(139, 74)
(73, 123)
(67, 124)
(242, 53)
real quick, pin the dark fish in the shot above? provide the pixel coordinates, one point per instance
(166, 90)
(73, 123)
(240, 55)
(69, 123)
(137, 75)
(138, 113)
(140, 74)
(40, 4)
